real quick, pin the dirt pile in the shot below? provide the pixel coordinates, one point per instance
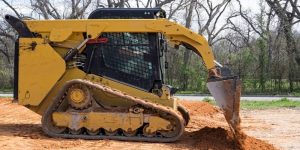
(200, 108)
(214, 134)
(219, 139)
(20, 129)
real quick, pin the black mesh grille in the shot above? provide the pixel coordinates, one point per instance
(127, 57)
(127, 53)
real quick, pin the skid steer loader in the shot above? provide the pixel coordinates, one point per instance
(102, 77)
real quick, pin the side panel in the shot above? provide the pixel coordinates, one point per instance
(70, 74)
(40, 67)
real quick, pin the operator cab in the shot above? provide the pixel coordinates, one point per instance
(130, 58)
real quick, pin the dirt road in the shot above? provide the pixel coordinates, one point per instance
(20, 129)
(280, 127)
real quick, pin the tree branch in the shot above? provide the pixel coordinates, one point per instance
(12, 8)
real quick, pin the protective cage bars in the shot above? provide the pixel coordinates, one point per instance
(127, 57)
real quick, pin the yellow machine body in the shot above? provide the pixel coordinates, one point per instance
(37, 66)
(71, 100)
(65, 38)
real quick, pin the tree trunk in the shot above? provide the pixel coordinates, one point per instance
(291, 50)
(188, 25)
(122, 3)
(187, 53)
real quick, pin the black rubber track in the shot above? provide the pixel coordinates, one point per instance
(59, 100)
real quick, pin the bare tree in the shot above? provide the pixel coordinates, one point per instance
(286, 18)
(7, 35)
(175, 7)
(187, 53)
(281, 8)
(261, 24)
(160, 3)
(295, 8)
(4, 49)
(47, 9)
(7, 39)
(117, 3)
(213, 14)
(12, 8)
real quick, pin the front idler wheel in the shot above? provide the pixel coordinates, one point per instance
(79, 96)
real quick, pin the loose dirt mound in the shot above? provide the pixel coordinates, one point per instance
(214, 134)
(200, 108)
(20, 129)
(219, 138)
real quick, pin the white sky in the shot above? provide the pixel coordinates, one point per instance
(23, 6)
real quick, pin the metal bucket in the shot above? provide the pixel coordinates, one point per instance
(227, 93)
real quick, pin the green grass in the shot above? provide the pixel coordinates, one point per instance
(187, 92)
(6, 97)
(246, 92)
(282, 103)
(209, 100)
(6, 90)
(296, 94)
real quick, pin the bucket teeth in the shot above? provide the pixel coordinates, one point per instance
(227, 93)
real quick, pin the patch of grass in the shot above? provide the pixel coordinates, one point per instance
(187, 92)
(282, 103)
(5, 96)
(246, 104)
(209, 100)
(296, 94)
(6, 90)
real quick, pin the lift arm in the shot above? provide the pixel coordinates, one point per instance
(60, 30)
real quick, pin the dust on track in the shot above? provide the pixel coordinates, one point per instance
(20, 129)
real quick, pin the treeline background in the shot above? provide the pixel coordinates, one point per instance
(260, 45)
